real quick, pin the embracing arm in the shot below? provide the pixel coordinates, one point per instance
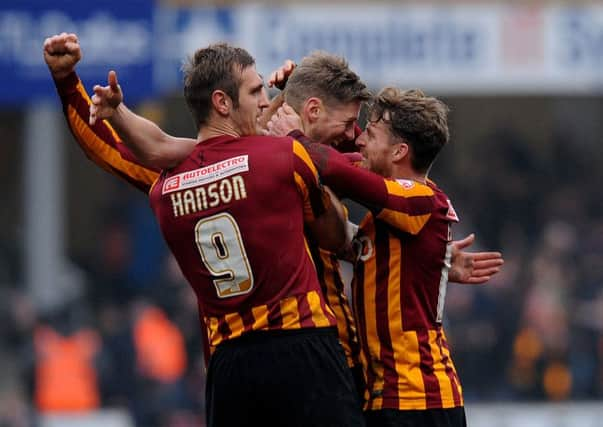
(329, 230)
(334, 168)
(346, 179)
(405, 208)
(324, 216)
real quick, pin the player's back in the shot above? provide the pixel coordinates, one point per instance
(233, 214)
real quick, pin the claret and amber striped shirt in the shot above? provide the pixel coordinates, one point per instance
(233, 214)
(332, 284)
(399, 285)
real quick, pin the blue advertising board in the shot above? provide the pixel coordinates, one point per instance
(181, 31)
(113, 34)
(454, 49)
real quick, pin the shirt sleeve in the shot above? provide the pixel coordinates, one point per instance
(316, 199)
(100, 142)
(349, 146)
(404, 205)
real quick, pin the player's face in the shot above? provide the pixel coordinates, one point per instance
(252, 100)
(336, 124)
(377, 147)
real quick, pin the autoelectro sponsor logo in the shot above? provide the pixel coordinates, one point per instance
(206, 174)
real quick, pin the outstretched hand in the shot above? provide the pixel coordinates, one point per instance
(283, 121)
(61, 53)
(278, 78)
(472, 268)
(106, 99)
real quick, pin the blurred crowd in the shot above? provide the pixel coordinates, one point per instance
(129, 334)
(126, 336)
(535, 332)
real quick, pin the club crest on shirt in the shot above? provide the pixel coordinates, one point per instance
(406, 183)
(206, 174)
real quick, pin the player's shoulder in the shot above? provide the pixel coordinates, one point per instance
(268, 139)
(437, 190)
(413, 187)
(443, 201)
(267, 145)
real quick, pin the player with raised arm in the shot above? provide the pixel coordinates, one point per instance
(102, 145)
(233, 214)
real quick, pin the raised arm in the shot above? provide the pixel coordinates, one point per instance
(100, 142)
(148, 142)
(151, 145)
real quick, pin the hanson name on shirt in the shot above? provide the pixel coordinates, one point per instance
(207, 187)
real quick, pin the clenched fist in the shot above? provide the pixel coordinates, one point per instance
(61, 53)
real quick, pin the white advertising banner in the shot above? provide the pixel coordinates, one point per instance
(451, 49)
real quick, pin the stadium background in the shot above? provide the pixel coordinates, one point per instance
(79, 249)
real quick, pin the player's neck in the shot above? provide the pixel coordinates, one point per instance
(406, 172)
(217, 128)
(307, 128)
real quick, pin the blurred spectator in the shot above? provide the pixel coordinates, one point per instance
(65, 377)
(160, 351)
(161, 363)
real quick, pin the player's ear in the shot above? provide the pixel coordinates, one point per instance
(401, 150)
(221, 102)
(312, 109)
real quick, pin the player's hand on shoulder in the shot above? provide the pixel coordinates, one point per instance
(283, 121)
(61, 53)
(278, 78)
(106, 99)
